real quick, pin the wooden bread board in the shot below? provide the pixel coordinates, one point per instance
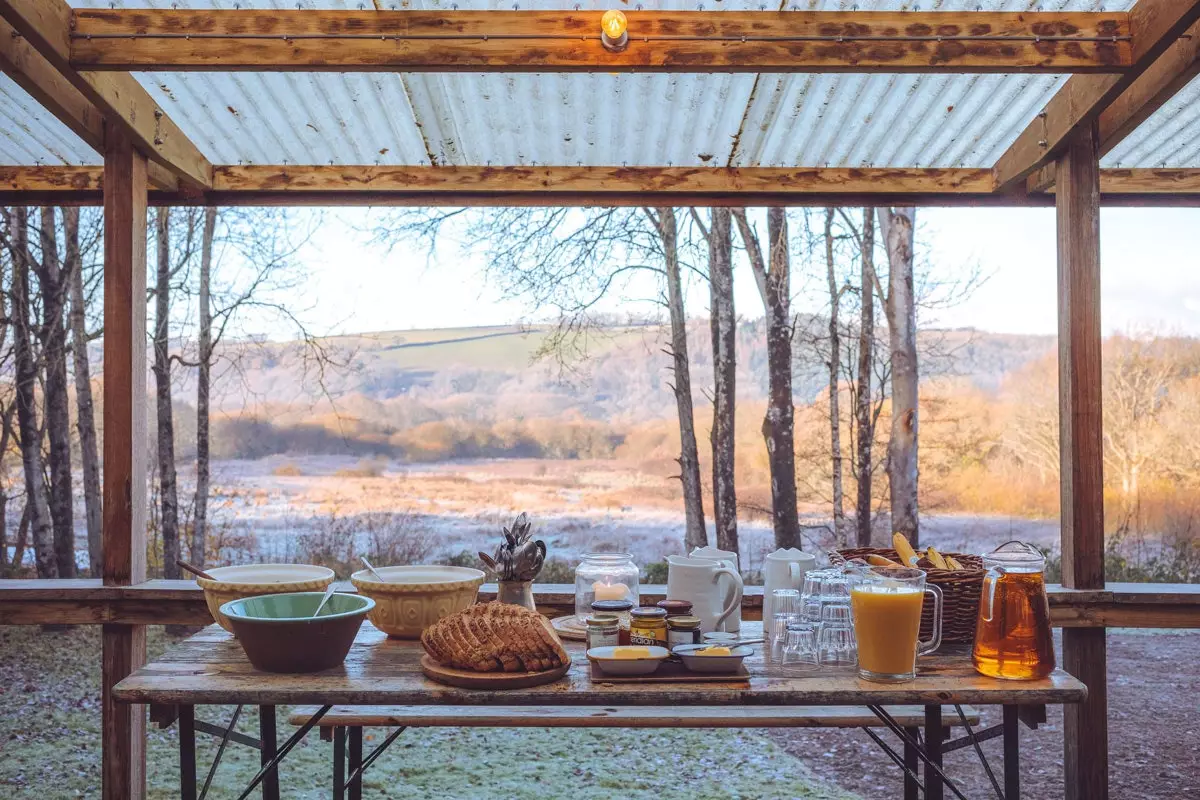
(468, 679)
(672, 672)
(570, 627)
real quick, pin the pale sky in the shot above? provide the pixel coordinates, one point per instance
(1149, 268)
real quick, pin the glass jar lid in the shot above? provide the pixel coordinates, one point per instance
(675, 608)
(608, 558)
(612, 606)
(603, 621)
(684, 623)
(1016, 556)
(650, 612)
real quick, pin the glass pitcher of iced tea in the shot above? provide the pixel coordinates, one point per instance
(1012, 636)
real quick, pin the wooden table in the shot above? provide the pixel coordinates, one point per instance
(210, 668)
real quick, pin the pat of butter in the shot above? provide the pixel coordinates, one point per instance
(713, 651)
(631, 652)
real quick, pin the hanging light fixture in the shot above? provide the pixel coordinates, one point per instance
(613, 34)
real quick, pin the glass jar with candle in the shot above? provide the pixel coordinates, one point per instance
(605, 576)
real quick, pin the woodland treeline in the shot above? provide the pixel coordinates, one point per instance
(51, 273)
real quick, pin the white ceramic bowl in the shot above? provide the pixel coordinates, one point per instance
(712, 664)
(602, 657)
(252, 580)
(410, 599)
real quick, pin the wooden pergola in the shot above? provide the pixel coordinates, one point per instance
(1123, 66)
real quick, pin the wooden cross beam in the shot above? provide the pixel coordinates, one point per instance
(39, 62)
(659, 41)
(1156, 26)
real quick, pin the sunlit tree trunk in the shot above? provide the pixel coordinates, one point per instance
(724, 337)
(835, 373)
(85, 411)
(864, 418)
(203, 385)
(168, 495)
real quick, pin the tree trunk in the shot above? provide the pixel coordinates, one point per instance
(203, 384)
(778, 427)
(695, 534)
(835, 374)
(724, 337)
(58, 414)
(26, 400)
(85, 412)
(168, 495)
(864, 419)
(897, 225)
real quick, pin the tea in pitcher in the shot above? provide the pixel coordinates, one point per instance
(1012, 637)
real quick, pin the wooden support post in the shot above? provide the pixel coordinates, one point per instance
(1081, 453)
(124, 727)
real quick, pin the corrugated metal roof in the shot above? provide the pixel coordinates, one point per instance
(605, 119)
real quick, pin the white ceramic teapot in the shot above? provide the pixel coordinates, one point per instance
(713, 589)
(783, 569)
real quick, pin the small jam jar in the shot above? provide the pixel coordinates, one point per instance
(603, 630)
(648, 627)
(675, 608)
(621, 610)
(682, 630)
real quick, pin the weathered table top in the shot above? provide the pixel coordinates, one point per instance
(210, 668)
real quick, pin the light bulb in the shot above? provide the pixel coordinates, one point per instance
(613, 23)
(612, 31)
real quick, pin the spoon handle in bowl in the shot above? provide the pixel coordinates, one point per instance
(194, 570)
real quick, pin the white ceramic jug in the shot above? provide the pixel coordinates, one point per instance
(699, 581)
(783, 569)
(730, 559)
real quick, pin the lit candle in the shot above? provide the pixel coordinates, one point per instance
(609, 591)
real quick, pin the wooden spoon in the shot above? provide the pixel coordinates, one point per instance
(194, 570)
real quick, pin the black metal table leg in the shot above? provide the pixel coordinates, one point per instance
(339, 763)
(1012, 754)
(266, 733)
(356, 756)
(934, 735)
(913, 763)
(187, 752)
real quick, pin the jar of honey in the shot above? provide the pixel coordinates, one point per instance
(1012, 633)
(648, 627)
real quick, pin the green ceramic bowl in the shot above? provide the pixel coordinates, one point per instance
(280, 634)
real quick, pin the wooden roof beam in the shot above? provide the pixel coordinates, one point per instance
(117, 97)
(1156, 26)
(659, 41)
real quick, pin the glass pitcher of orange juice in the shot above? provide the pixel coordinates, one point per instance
(886, 605)
(1012, 635)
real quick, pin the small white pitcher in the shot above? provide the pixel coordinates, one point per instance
(730, 559)
(698, 580)
(783, 569)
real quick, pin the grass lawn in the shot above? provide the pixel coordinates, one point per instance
(50, 740)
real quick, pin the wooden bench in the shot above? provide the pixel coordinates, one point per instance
(345, 724)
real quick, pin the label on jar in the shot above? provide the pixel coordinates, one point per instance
(682, 637)
(600, 639)
(645, 637)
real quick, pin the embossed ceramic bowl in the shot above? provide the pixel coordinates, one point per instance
(410, 599)
(253, 580)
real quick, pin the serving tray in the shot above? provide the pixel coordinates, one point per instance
(468, 679)
(673, 672)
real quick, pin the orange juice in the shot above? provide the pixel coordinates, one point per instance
(887, 622)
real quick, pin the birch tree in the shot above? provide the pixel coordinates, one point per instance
(723, 323)
(773, 277)
(165, 421)
(204, 357)
(865, 410)
(834, 365)
(897, 228)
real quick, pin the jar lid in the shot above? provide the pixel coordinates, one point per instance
(650, 612)
(719, 637)
(675, 608)
(612, 606)
(684, 623)
(603, 621)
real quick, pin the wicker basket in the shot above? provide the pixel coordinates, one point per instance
(961, 589)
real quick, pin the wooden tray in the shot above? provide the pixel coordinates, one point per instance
(569, 627)
(468, 679)
(672, 672)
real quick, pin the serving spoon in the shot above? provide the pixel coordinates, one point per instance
(325, 599)
(371, 569)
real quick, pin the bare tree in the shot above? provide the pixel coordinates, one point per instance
(897, 227)
(773, 276)
(724, 339)
(695, 533)
(85, 413)
(168, 493)
(203, 387)
(29, 429)
(835, 368)
(53, 334)
(864, 411)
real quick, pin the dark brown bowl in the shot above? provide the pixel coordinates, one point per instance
(280, 634)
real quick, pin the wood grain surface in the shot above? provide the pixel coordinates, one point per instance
(210, 667)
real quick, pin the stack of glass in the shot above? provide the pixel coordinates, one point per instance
(812, 629)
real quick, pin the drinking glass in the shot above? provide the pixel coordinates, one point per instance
(835, 643)
(786, 605)
(800, 647)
